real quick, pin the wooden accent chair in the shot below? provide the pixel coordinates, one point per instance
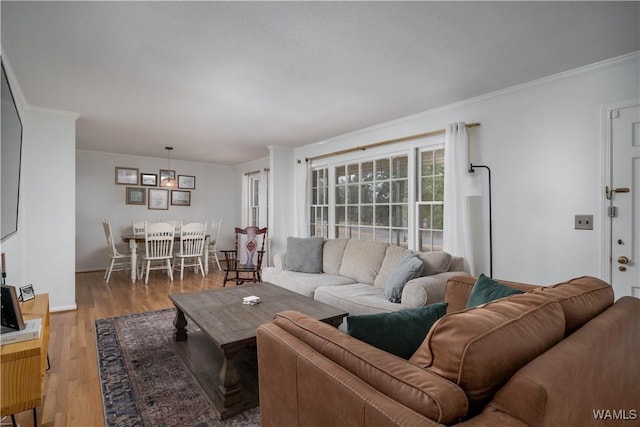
(248, 239)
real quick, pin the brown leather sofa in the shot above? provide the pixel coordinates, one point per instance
(562, 355)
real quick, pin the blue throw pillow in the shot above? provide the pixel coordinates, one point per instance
(486, 290)
(399, 332)
(409, 267)
(304, 254)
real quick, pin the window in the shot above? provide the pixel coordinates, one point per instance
(395, 197)
(319, 215)
(254, 200)
(372, 200)
(430, 215)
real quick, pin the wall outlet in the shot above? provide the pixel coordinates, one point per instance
(584, 222)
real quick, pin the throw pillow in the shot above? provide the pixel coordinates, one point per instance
(409, 267)
(486, 289)
(304, 254)
(398, 332)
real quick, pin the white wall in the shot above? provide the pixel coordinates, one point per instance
(217, 195)
(543, 142)
(39, 253)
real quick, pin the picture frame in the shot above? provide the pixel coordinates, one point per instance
(149, 179)
(126, 176)
(136, 196)
(180, 198)
(27, 293)
(158, 199)
(187, 182)
(166, 173)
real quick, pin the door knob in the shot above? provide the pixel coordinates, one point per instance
(623, 260)
(622, 268)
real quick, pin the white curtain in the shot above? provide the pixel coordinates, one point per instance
(302, 197)
(457, 218)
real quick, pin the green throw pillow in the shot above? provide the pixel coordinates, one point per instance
(399, 332)
(486, 289)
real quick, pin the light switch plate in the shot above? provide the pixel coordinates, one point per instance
(584, 222)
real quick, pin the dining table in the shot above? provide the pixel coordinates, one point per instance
(134, 239)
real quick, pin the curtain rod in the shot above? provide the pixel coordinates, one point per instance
(385, 142)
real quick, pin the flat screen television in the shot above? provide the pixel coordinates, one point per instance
(11, 153)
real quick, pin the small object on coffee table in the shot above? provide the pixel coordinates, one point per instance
(251, 300)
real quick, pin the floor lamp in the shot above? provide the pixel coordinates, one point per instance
(472, 170)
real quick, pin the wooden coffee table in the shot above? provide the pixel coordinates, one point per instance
(222, 355)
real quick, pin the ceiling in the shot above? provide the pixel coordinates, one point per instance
(222, 81)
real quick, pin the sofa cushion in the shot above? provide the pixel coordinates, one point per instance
(302, 283)
(332, 254)
(581, 299)
(356, 298)
(409, 267)
(391, 258)
(482, 347)
(304, 254)
(486, 290)
(400, 332)
(362, 260)
(435, 262)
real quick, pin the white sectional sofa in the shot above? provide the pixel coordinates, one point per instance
(352, 275)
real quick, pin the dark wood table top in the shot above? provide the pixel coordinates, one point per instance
(221, 314)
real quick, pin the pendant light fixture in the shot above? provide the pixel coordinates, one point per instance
(170, 179)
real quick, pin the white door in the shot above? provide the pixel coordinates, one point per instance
(623, 199)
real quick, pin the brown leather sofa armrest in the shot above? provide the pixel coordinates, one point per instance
(418, 389)
(493, 418)
(300, 387)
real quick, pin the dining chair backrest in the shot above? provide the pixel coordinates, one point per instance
(192, 238)
(158, 240)
(138, 227)
(215, 231)
(106, 225)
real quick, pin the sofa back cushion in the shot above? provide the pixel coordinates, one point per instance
(392, 257)
(482, 347)
(362, 260)
(435, 262)
(332, 254)
(581, 299)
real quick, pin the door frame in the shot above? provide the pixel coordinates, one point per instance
(607, 149)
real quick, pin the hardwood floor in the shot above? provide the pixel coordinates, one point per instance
(72, 395)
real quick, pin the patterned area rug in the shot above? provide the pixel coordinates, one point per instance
(145, 382)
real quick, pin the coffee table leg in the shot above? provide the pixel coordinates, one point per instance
(180, 322)
(229, 389)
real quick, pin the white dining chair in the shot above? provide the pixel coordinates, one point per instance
(213, 242)
(138, 227)
(158, 245)
(191, 248)
(118, 261)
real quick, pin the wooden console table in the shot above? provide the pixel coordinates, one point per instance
(23, 363)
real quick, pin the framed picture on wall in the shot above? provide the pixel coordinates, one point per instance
(187, 181)
(126, 176)
(180, 198)
(158, 199)
(136, 196)
(150, 179)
